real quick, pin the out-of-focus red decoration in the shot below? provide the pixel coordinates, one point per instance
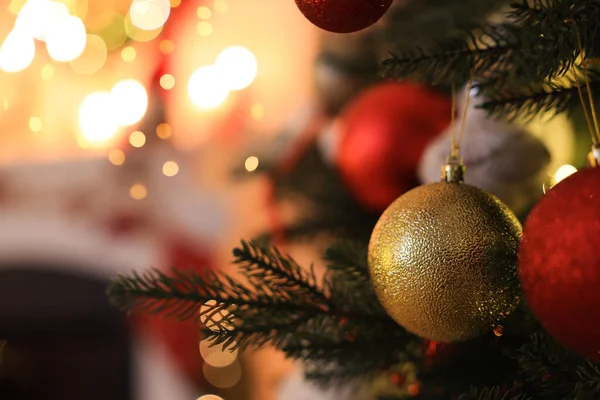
(343, 16)
(382, 136)
(560, 262)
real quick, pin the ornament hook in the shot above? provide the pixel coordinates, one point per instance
(454, 170)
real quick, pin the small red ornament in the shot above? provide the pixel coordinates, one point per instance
(559, 262)
(343, 16)
(381, 137)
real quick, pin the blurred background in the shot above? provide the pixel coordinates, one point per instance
(125, 127)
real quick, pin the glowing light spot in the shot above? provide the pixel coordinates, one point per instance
(204, 28)
(204, 12)
(138, 34)
(137, 139)
(47, 72)
(166, 46)
(219, 316)
(66, 39)
(209, 397)
(257, 112)
(17, 52)
(170, 168)
(116, 157)
(38, 17)
(206, 88)
(167, 81)
(96, 117)
(215, 356)
(93, 57)
(35, 124)
(175, 3)
(164, 131)
(251, 164)
(413, 389)
(149, 14)
(239, 66)
(128, 53)
(221, 6)
(564, 172)
(15, 6)
(223, 378)
(5, 104)
(138, 191)
(130, 101)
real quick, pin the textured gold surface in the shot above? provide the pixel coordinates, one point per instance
(443, 261)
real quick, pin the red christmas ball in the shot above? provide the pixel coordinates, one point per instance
(559, 262)
(343, 16)
(381, 137)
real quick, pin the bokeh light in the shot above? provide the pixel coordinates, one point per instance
(204, 12)
(66, 39)
(38, 17)
(164, 130)
(96, 120)
(221, 6)
(223, 378)
(166, 46)
(206, 87)
(170, 168)
(139, 191)
(167, 81)
(251, 164)
(93, 57)
(35, 124)
(116, 157)
(128, 53)
(137, 139)
(149, 14)
(564, 172)
(215, 356)
(47, 72)
(140, 35)
(209, 397)
(17, 52)
(239, 67)
(257, 112)
(130, 101)
(204, 28)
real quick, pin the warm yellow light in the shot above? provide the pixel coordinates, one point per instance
(128, 53)
(209, 397)
(166, 46)
(15, 6)
(175, 3)
(170, 168)
(221, 6)
(239, 67)
(138, 191)
(223, 378)
(130, 101)
(207, 88)
(35, 124)
(163, 131)
(137, 139)
(258, 112)
(251, 164)
(38, 17)
(17, 52)
(93, 57)
(5, 104)
(204, 12)
(47, 72)
(564, 172)
(66, 39)
(167, 81)
(116, 157)
(96, 118)
(215, 356)
(204, 28)
(149, 14)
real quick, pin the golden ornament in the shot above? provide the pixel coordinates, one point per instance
(443, 260)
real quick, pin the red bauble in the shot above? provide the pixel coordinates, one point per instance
(381, 137)
(560, 262)
(343, 16)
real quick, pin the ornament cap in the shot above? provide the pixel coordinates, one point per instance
(454, 170)
(594, 157)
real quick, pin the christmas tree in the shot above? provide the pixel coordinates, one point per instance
(386, 316)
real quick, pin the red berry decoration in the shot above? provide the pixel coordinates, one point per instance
(381, 137)
(559, 262)
(343, 16)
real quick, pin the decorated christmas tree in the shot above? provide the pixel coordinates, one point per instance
(440, 293)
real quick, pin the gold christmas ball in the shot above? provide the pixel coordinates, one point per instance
(443, 261)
